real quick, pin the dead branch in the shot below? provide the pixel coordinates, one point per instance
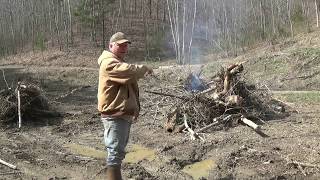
(71, 92)
(208, 90)
(9, 173)
(250, 124)
(215, 122)
(4, 78)
(19, 105)
(8, 164)
(299, 165)
(304, 164)
(193, 134)
(169, 95)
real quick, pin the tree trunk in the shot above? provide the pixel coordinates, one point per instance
(316, 3)
(289, 16)
(70, 22)
(193, 23)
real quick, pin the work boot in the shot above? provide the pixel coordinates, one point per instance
(114, 172)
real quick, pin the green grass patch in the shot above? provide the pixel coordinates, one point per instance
(304, 53)
(268, 67)
(312, 97)
(212, 69)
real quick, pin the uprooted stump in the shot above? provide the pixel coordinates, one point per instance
(34, 105)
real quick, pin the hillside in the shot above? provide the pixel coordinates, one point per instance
(288, 64)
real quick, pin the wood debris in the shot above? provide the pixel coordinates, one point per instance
(25, 102)
(224, 102)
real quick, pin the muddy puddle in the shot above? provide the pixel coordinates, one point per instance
(200, 169)
(136, 153)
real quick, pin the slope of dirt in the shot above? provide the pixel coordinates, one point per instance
(288, 64)
(71, 147)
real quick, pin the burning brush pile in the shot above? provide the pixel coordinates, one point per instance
(26, 102)
(224, 101)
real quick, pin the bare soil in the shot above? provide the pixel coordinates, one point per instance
(288, 149)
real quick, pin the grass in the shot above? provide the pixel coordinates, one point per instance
(312, 97)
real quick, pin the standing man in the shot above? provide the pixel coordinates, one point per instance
(118, 100)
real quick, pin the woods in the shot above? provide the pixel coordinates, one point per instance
(160, 28)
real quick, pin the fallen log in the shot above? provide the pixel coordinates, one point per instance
(171, 121)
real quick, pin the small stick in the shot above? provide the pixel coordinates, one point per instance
(8, 164)
(4, 78)
(215, 122)
(19, 104)
(305, 164)
(208, 90)
(8, 173)
(166, 94)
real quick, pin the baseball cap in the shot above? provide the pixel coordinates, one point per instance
(119, 38)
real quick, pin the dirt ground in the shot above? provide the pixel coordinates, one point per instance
(71, 146)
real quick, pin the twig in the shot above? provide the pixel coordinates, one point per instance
(166, 94)
(304, 164)
(301, 169)
(71, 92)
(215, 122)
(8, 173)
(208, 90)
(192, 133)
(8, 164)
(300, 165)
(4, 78)
(99, 172)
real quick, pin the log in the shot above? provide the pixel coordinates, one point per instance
(250, 124)
(171, 121)
(8, 164)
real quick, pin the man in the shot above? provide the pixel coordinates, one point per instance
(118, 100)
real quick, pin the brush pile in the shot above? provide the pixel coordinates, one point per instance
(223, 101)
(34, 106)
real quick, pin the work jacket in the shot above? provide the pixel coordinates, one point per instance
(118, 93)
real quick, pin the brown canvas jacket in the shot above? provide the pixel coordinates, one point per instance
(118, 93)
